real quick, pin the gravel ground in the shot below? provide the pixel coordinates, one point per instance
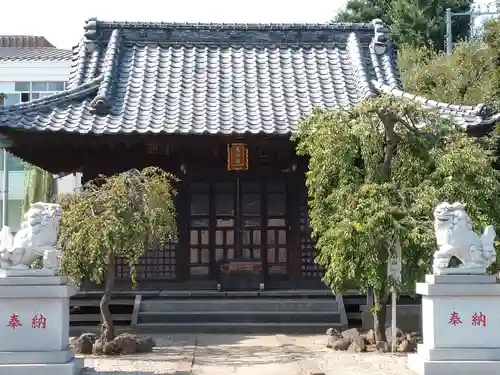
(206, 354)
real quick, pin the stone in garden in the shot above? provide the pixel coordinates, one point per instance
(125, 344)
(348, 333)
(399, 335)
(370, 337)
(341, 344)
(331, 340)
(332, 336)
(406, 346)
(333, 332)
(357, 345)
(145, 345)
(382, 347)
(83, 343)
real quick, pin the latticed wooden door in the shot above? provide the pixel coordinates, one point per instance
(238, 218)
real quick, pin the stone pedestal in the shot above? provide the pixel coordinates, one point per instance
(34, 326)
(460, 324)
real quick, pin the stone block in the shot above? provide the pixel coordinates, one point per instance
(73, 367)
(34, 326)
(460, 321)
(460, 279)
(422, 366)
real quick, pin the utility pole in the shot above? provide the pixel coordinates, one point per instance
(472, 13)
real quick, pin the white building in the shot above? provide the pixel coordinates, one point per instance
(30, 68)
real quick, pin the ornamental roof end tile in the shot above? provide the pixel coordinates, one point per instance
(136, 77)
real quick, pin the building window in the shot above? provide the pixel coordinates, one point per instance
(55, 86)
(11, 99)
(22, 86)
(13, 164)
(24, 92)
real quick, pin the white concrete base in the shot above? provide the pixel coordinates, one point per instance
(33, 280)
(55, 357)
(459, 271)
(73, 367)
(456, 341)
(34, 326)
(458, 354)
(36, 272)
(422, 366)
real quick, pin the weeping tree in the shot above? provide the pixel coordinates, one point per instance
(115, 217)
(375, 174)
(38, 186)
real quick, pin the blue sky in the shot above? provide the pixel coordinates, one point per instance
(61, 21)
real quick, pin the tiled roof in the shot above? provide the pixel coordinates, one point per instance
(24, 41)
(218, 79)
(33, 53)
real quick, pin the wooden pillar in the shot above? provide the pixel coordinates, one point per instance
(295, 180)
(182, 250)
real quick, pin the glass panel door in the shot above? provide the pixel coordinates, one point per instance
(276, 229)
(199, 230)
(249, 220)
(238, 219)
(225, 220)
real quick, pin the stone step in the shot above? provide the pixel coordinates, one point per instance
(239, 317)
(241, 328)
(255, 304)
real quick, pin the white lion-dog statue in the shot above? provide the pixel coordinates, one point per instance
(35, 240)
(455, 237)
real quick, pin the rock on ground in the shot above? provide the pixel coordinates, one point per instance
(125, 343)
(83, 344)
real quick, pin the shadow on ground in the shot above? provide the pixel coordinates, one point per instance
(181, 351)
(92, 372)
(241, 350)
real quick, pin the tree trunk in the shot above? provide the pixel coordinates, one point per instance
(379, 317)
(107, 328)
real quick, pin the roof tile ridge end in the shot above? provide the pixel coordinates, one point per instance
(100, 103)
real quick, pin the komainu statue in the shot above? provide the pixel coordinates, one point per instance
(455, 237)
(36, 239)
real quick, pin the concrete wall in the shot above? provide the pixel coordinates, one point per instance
(408, 317)
(11, 71)
(68, 184)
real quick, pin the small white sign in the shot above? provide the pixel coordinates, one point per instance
(394, 263)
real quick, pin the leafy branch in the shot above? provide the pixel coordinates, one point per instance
(376, 172)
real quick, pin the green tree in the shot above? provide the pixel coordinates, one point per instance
(117, 216)
(411, 22)
(470, 76)
(375, 174)
(38, 186)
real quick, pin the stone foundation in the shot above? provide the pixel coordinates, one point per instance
(460, 324)
(34, 326)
